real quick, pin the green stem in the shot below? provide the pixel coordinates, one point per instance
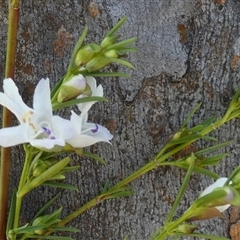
(22, 182)
(154, 163)
(13, 17)
(172, 226)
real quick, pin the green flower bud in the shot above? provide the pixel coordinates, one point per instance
(50, 162)
(39, 168)
(86, 53)
(186, 228)
(111, 53)
(58, 177)
(108, 41)
(236, 179)
(97, 64)
(177, 135)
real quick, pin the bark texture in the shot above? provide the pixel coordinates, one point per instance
(189, 52)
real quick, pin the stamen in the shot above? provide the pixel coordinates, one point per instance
(95, 129)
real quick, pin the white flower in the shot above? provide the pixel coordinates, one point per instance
(37, 126)
(97, 91)
(77, 81)
(87, 134)
(72, 88)
(219, 183)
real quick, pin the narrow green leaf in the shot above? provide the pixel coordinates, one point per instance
(236, 96)
(94, 156)
(212, 148)
(190, 116)
(70, 169)
(44, 176)
(107, 74)
(28, 229)
(122, 44)
(105, 188)
(60, 185)
(200, 170)
(65, 229)
(208, 121)
(182, 189)
(185, 139)
(57, 86)
(45, 207)
(76, 48)
(11, 211)
(209, 138)
(123, 62)
(117, 26)
(213, 160)
(201, 235)
(57, 106)
(50, 237)
(127, 49)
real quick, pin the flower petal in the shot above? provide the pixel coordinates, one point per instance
(219, 183)
(62, 128)
(46, 143)
(41, 98)
(12, 100)
(12, 136)
(96, 91)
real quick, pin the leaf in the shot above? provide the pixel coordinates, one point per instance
(76, 48)
(200, 170)
(201, 235)
(107, 74)
(44, 176)
(51, 237)
(122, 44)
(213, 160)
(190, 115)
(120, 61)
(105, 188)
(57, 86)
(57, 106)
(94, 156)
(60, 185)
(212, 148)
(66, 229)
(184, 139)
(11, 211)
(45, 207)
(117, 26)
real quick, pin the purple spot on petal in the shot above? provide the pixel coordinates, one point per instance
(95, 129)
(52, 137)
(46, 130)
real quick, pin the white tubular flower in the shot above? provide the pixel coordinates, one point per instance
(87, 134)
(97, 91)
(37, 126)
(219, 183)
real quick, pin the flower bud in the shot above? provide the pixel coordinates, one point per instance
(86, 53)
(73, 88)
(108, 41)
(186, 228)
(111, 53)
(97, 64)
(39, 168)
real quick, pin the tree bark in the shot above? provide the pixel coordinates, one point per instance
(189, 52)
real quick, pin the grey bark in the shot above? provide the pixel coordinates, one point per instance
(188, 53)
